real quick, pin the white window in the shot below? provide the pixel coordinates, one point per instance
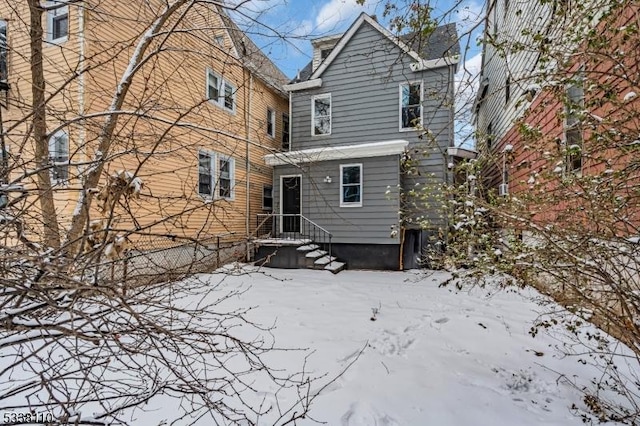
(216, 175)
(351, 185)
(205, 173)
(410, 105)
(573, 138)
(213, 86)
(271, 123)
(226, 166)
(321, 115)
(57, 21)
(220, 91)
(229, 96)
(267, 197)
(59, 156)
(4, 49)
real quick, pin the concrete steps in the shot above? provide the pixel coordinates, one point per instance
(295, 253)
(335, 267)
(316, 258)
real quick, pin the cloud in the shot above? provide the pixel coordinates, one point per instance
(336, 14)
(469, 15)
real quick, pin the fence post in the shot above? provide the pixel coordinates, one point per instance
(217, 251)
(125, 266)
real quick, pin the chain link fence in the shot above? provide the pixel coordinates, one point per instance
(162, 258)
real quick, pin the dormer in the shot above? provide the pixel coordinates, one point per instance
(322, 47)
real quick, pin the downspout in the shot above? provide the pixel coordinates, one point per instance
(81, 82)
(290, 121)
(248, 162)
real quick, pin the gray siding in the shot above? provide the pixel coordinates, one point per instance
(423, 210)
(369, 224)
(364, 84)
(512, 28)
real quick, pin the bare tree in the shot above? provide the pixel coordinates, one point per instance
(132, 128)
(551, 200)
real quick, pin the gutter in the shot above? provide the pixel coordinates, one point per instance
(81, 83)
(248, 163)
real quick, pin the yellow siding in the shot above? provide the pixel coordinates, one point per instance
(170, 87)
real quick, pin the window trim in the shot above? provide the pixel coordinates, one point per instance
(271, 119)
(211, 73)
(4, 51)
(51, 16)
(264, 206)
(223, 84)
(214, 162)
(313, 114)
(361, 184)
(232, 177)
(410, 83)
(59, 164)
(212, 173)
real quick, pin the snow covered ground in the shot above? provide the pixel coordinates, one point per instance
(418, 354)
(431, 357)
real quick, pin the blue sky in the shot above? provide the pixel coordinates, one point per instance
(298, 21)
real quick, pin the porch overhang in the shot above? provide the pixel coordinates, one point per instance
(461, 153)
(365, 150)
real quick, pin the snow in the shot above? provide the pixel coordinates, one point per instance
(630, 96)
(432, 355)
(417, 353)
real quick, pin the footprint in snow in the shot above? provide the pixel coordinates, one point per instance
(442, 320)
(363, 414)
(392, 343)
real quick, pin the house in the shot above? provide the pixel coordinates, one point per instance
(201, 110)
(366, 103)
(556, 112)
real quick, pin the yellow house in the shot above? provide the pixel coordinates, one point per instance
(174, 103)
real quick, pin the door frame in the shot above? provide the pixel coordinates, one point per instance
(282, 194)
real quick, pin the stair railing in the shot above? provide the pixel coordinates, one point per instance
(293, 227)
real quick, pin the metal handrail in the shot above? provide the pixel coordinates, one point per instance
(316, 225)
(273, 228)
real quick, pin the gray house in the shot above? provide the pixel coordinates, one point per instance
(365, 101)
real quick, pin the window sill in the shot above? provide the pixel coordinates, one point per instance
(222, 107)
(409, 129)
(56, 42)
(351, 205)
(209, 199)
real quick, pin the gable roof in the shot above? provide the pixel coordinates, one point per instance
(252, 57)
(441, 43)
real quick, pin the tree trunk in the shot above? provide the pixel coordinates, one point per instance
(138, 59)
(51, 233)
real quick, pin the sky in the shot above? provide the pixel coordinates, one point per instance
(286, 26)
(283, 30)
